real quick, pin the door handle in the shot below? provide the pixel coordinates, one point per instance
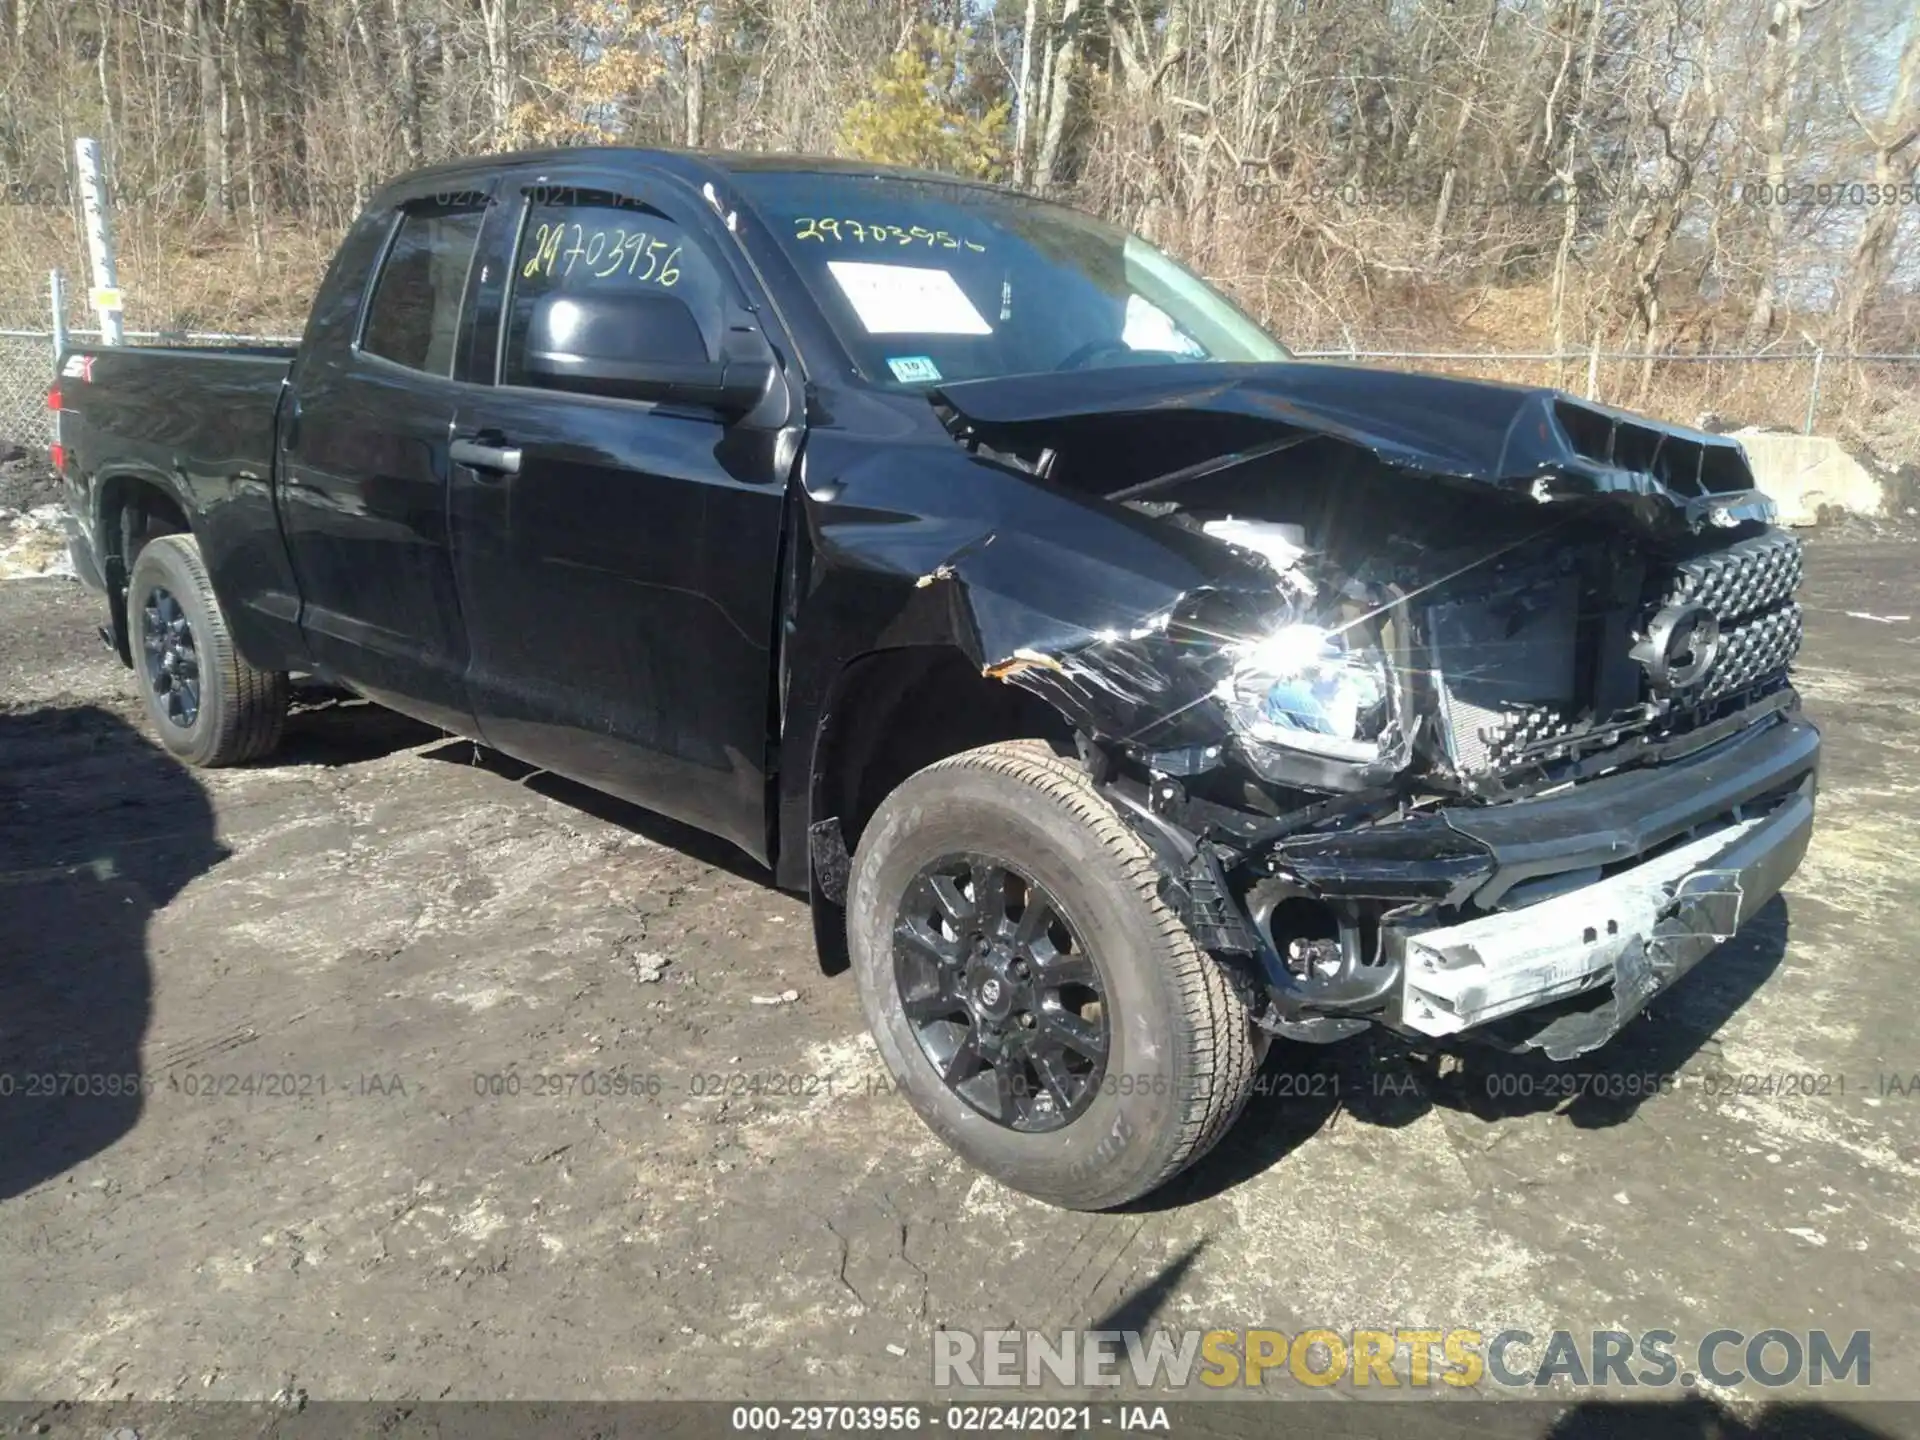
(503, 458)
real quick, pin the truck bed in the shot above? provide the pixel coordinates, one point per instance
(197, 410)
(194, 423)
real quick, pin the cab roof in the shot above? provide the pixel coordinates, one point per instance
(700, 163)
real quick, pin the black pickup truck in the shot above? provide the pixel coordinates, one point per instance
(1123, 691)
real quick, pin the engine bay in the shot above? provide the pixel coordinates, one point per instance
(1517, 642)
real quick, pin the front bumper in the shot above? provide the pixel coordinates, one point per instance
(1634, 933)
(1590, 901)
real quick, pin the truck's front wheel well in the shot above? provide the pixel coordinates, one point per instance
(895, 712)
(132, 512)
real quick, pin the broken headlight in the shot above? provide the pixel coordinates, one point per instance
(1309, 688)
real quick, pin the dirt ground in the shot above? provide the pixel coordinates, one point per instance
(395, 926)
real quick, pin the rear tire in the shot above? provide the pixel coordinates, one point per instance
(1180, 1052)
(207, 705)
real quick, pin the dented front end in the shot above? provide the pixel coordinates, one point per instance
(1482, 724)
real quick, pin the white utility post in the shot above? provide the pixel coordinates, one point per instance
(58, 292)
(98, 216)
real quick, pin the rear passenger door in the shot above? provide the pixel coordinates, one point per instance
(364, 463)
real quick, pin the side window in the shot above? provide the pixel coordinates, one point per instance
(414, 315)
(591, 242)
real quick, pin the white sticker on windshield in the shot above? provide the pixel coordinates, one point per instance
(907, 300)
(1148, 327)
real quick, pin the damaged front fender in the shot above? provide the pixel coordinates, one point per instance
(901, 546)
(1121, 622)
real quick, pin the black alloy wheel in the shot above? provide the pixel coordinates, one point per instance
(172, 661)
(998, 884)
(1001, 992)
(207, 705)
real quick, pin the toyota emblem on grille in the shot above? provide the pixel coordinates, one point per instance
(1680, 644)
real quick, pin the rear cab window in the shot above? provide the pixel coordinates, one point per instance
(926, 281)
(413, 313)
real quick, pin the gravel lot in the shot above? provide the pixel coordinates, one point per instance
(395, 923)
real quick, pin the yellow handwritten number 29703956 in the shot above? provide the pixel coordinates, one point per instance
(826, 227)
(604, 253)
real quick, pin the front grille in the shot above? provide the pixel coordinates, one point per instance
(1751, 576)
(1751, 652)
(1749, 586)
(1504, 680)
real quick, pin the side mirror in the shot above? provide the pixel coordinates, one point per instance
(639, 345)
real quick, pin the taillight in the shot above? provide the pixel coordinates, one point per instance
(56, 452)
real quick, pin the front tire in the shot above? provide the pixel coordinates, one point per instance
(208, 706)
(1084, 1052)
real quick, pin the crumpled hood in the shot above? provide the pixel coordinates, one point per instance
(1116, 430)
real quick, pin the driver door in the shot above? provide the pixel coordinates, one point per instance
(617, 560)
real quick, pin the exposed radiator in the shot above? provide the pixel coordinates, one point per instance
(1503, 670)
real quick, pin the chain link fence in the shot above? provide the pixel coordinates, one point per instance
(26, 369)
(1784, 390)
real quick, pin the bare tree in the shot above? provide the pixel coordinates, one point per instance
(1023, 92)
(203, 31)
(1780, 69)
(497, 18)
(1893, 143)
(406, 79)
(1471, 172)
(1063, 59)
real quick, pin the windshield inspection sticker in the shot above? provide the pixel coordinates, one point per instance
(1149, 327)
(913, 368)
(907, 300)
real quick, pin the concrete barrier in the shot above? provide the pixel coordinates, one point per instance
(1801, 473)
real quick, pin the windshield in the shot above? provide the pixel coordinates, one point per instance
(926, 282)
